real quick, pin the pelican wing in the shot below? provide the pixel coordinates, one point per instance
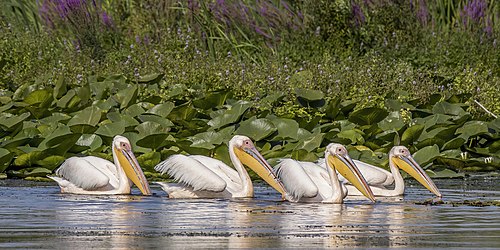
(191, 172)
(374, 175)
(227, 173)
(296, 181)
(319, 176)
(88, 173)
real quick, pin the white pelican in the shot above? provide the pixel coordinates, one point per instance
(205, 177)
(378, 178)
(93, 175)
(308, 182)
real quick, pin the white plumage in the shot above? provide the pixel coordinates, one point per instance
(309, 182)
(89, 173)
(93, 175)
(191, 172)
(379, 178)
(205, 177)
(297, 182)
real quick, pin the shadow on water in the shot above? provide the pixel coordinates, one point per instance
(35, 215)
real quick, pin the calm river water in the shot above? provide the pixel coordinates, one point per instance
(36, 215)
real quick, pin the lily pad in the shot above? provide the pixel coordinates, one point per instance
(448, 109)
(127, 96)
(368, 116)
(393, 121)
(5, 159)
(10, 123)
(162, 110)
(257, 129)
(426, 155)
(473, 128)
(309, 94)
(85, 121)
(40, 98)
(231, 115)
(287, 128)
(411, 134)
(112, 129)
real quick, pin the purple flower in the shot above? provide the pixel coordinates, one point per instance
(473, 12)
(357, 14)
(423, 12)
(106, 20)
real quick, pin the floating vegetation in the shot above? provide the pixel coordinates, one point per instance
(42, 126)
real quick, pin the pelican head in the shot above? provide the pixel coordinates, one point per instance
(129, 164)
(246, 152)
(401, 157)
(338, 159)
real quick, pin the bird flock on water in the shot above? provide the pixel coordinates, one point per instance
(329, 180)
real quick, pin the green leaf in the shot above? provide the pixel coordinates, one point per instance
(69, 100)
(5, 159)
(304, 155)
(112, 129)
(271, 99)
(333, 108)
(446, 173)
(92, 141)
(55, 118)
(311, 143)
(472, 128)
(183, 113)
(166, 123)
(212, 100)
(162, 110)
(454, 144)
(495, 125)
(426, 155)
(287, 128)
(83, 93)
(28, 159)
(134, 110)
(368, 116)
(448, 109)
(6, 107)
(151, 78)
(153, 141)
(99, 89)
(211, 139)
(231, 115)
(393, 121)
(51, 162)
(411, 134)
(309, 94)
(40, 98)
(89, 116)
(149, 160)
(150, 128)
(10, 123)
(127, 96)
(354, 135)
(127, 120)
(257, 129)
(60, 88)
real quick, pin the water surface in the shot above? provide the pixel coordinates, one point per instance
(36, 215)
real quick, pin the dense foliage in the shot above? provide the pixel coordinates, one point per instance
(184, 76)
